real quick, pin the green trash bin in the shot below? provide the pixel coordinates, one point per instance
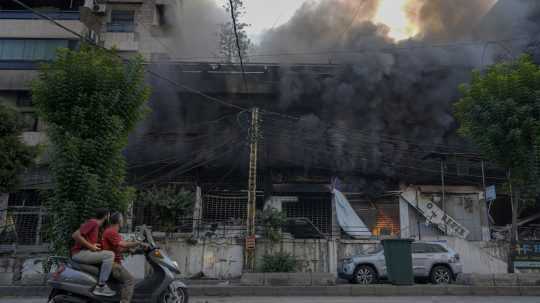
(398, 257)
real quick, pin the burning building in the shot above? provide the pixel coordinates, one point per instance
(343, 96)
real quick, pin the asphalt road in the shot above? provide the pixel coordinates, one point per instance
(332, 300)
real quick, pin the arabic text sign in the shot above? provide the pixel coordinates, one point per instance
(434, 214)
(526, 254)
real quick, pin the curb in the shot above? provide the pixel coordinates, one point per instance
(337, 291)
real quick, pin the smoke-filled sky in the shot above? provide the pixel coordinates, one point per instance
(264, 15)
(395, 76)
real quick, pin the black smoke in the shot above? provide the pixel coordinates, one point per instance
(368, 106)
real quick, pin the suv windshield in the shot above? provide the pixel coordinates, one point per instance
(374, 249)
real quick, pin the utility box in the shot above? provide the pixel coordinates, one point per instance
(398, 257)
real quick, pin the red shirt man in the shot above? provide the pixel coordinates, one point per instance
(112, 241)
(87, 251)
(90, 232)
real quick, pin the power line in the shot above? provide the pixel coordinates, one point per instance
(239, 49)
(364, 136)
(157, 75)
(375, 49)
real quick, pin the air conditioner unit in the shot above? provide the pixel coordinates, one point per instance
(95, 7)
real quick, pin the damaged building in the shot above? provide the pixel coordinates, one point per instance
(355, 145)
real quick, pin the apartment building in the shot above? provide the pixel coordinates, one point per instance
(27, 40)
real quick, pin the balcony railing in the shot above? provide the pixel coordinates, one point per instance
(26, 15)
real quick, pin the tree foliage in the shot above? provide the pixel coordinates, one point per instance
(272, 220)
(15, 156)
(91, 100)
(279, 262)
(166, 204)
(228, 49)
(500, 112)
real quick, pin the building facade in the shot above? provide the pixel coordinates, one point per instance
(26, 41)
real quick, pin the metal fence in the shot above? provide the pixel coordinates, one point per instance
(24, 220)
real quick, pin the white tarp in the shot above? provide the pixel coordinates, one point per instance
(348, 219)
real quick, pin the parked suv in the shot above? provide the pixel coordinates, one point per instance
(432, 260)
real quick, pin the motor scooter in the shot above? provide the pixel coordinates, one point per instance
(74, 282)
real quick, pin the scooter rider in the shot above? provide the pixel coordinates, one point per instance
(112, 241)
(87, 250)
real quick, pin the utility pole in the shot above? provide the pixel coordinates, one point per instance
(443, 162)
(254, 137)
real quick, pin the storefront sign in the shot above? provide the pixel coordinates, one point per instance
(250, 242)
(526, 254)
(491, 194)
(435, 215)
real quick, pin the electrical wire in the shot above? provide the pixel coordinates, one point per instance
(363, 135)
(219, 101)
(182, 170)
(239, 49)
(397, 48)
(155, 74)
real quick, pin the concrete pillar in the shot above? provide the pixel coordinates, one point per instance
(333, 256)
(333, 241)
(404, 219)
(4, 198)
(197, 211)
(484, 220)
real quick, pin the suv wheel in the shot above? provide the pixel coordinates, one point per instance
(364, 274)
(441, 275)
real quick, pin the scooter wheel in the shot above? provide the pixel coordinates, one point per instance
(178, 295)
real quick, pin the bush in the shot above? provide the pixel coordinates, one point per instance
(280, 262)
(166, 204)
(272, 220)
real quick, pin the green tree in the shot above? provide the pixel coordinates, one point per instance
(91, 100)
(228, 49)
(15, 156)
(166, 205)
(500, 113)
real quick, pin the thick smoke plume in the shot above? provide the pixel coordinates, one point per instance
(379, 106)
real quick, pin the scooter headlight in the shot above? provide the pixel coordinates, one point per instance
(158, 254)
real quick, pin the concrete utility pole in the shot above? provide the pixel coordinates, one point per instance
(443, 189)
(249, 263)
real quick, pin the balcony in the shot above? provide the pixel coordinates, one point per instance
(26, 15)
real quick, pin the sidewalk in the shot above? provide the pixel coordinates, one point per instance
(335, 291)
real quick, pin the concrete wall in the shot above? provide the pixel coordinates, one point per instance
(16, 79)
(218, 259)
(465, 204)
(312, 255)
(479, 257)
(148, 37)
(348, 248)
(223, 258)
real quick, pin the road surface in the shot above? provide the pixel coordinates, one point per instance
(332, 300)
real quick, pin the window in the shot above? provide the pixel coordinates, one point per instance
(122, 21)
(30, 49)
(436, 248)
(427, 248)
(24, 99)
(419, 248)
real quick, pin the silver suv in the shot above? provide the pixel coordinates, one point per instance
(432, 260)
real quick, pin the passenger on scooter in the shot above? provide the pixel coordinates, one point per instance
(87, 250)
(112, 241)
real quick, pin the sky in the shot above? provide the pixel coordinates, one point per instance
(264, 14)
